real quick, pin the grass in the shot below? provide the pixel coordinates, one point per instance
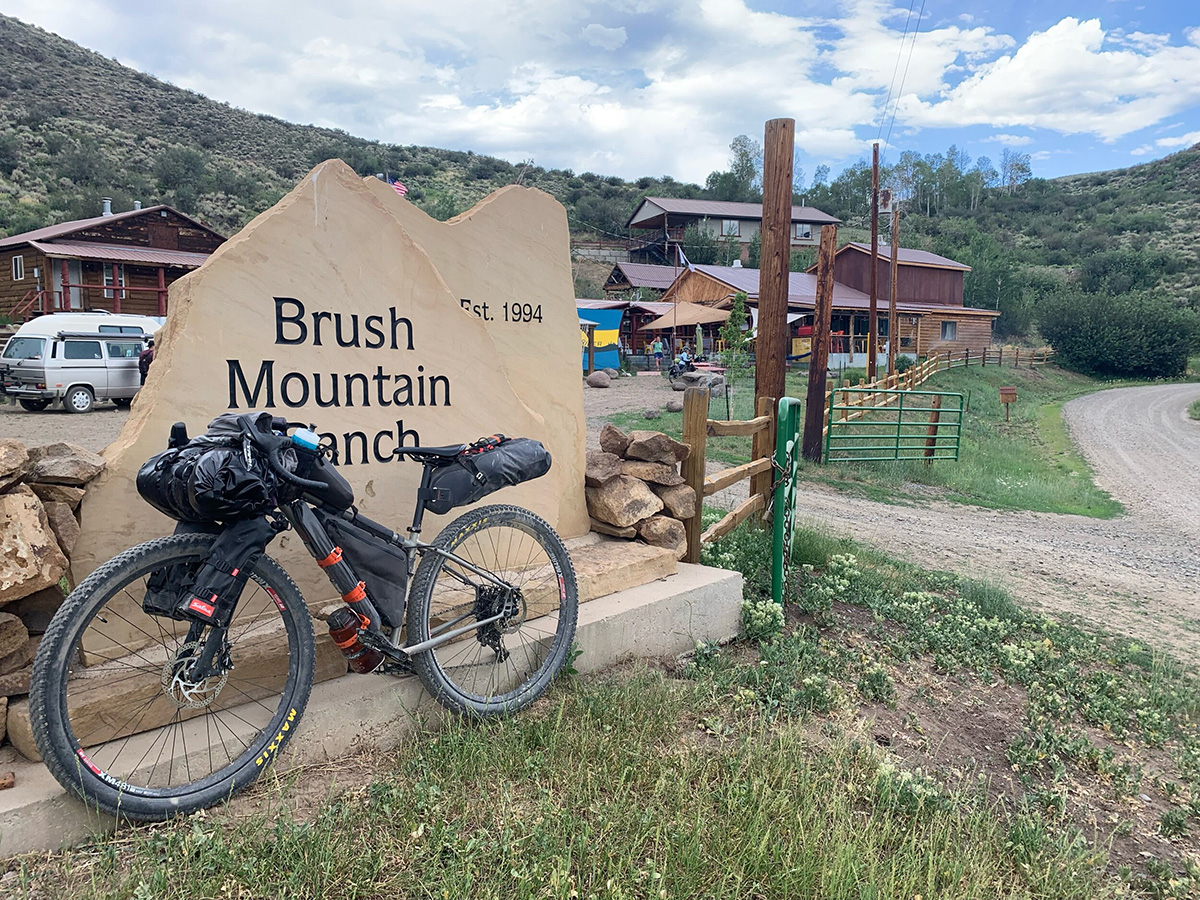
(811, 761)
(1194, 410)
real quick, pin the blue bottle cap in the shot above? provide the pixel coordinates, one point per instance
(308, 440)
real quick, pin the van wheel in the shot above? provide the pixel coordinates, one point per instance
(122, 402)
(34, 405)
(79, 400)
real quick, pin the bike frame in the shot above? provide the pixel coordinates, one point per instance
(321, 547)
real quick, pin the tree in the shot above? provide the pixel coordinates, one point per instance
(736, 355)
(743, 180)
(700, 245)
(1015, 169)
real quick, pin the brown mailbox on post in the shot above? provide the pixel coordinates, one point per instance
(1007, 395)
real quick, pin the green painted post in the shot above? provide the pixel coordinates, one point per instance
(787, 458)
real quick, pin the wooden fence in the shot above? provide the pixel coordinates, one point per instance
(884, 391)
(697, 428)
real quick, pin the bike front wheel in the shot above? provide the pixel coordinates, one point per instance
(117, 719)
(507, 565)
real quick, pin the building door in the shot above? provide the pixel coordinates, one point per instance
(75, 276)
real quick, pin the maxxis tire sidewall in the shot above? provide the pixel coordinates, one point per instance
(47, 715)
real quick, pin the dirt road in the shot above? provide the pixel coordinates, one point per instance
(1137, 575)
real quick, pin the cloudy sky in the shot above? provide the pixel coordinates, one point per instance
(651, 87)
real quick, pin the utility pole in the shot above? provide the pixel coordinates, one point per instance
(818, 368)
(893, 319)
(770, 350)
(873, 324)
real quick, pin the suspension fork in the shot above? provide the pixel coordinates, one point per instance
(329, 557)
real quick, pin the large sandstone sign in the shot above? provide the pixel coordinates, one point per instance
(347, 307)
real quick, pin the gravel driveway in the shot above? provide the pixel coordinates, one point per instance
(1137, 575)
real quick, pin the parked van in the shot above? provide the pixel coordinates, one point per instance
(78, 358)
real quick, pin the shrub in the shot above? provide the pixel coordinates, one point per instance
(1140, 335)
(904, 363)
(761, 619)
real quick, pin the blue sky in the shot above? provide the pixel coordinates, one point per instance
(653, 87)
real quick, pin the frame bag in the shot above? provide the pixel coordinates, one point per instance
(486, 466)
(383, 567)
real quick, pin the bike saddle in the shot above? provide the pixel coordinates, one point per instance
(439, 456)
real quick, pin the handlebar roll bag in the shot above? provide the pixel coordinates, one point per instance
(479, 471)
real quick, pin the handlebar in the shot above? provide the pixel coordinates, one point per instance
(272, 446)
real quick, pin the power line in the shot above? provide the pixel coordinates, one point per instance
(895, 68)
(895, 108)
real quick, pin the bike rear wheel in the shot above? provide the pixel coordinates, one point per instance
(117, 721)
(507, 562)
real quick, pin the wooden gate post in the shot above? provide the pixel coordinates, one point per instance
(771, 342)
(695, 435)
(935, 416)
(763, 444)
(818, 366)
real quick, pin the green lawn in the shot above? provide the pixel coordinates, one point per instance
(1194, 410)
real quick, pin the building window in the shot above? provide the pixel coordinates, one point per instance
(18, 266)
(949, 331)
(801, 231)
(108, 280)
(731, 228)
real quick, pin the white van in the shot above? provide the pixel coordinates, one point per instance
(78, 358)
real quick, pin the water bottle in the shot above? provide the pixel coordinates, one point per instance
(306, 439)
(343, 629)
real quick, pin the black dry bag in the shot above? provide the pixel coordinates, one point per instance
(486, 466)
(218, 583)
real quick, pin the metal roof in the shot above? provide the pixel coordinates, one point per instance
(802, 291)
(581, 303)
(64, 228)
(911, 257)
(645, 275)
(121, 253)
(717, 209)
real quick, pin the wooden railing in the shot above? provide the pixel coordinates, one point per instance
(883, 391)
(697, 428)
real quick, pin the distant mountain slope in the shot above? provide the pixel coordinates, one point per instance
(76, 126)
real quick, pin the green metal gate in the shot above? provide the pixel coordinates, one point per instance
(917, 425)
(785, 464)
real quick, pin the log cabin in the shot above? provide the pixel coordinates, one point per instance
(120, 262)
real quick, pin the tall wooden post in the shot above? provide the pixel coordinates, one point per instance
(814, 409)
(873, 324)
(935, 416)
(695, 435)
(162, 291)
(65, 302)
(116, 291)
(591, 333)
(893, 319)
(770, 351)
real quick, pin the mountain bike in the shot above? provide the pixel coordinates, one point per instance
(150, 715)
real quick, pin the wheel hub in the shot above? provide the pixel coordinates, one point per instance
(184, 692)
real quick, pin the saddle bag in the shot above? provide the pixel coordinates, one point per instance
(486, 466)
(381, 566)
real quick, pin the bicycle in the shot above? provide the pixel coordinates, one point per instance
(489, 616)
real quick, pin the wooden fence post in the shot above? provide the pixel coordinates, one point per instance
(845, 398)
(1017, 359)
(763, 444)
(695, 435)
(935, 416)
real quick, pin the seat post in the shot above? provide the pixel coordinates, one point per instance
(422, 495)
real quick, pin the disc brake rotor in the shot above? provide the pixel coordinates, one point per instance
(183, 692)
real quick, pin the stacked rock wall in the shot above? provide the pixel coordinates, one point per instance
(634, 489)
(40, 491)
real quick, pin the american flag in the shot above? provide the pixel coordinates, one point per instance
(399, 188)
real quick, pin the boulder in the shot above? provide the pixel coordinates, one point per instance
(605, 528)
(613, 440)
(38, 609)
(679, 499)
(16, 683)
(621, 501)
(30, 558)
(14, 461)
(601, 466)
(59, 493)
(64, 463)
(651, 413)
(674, 406)
(19, 658)
(3, 717)
(716, 384)
(612, 373)
(64, 524)
(654, 446)
(655, 473)
(661, 531)
(678, 386)
(599, 379)
(13, 635)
